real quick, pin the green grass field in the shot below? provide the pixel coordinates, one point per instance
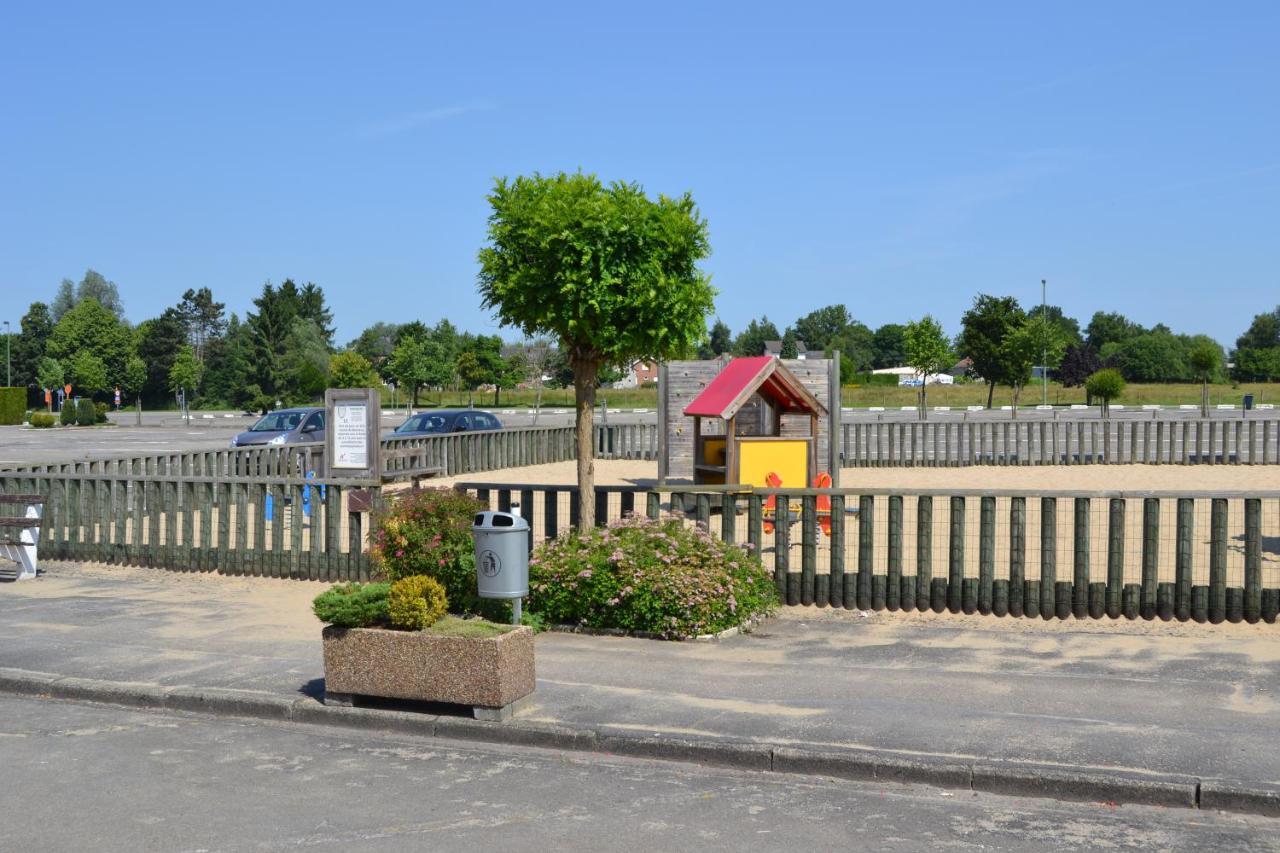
(861, 397)
(972, 394)
(975, 394)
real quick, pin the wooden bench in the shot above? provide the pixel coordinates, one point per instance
(19, 535)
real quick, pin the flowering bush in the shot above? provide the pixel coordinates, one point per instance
(646, 575)
(428, 532)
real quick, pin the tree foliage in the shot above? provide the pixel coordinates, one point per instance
(1258, 349)
(750, 341)
(985, 328)
(1079, 362)
(610, 273)
(88, 328)
(1106, 385)
(927, 352)
(350, 369)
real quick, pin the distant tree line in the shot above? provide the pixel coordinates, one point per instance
(283, 349)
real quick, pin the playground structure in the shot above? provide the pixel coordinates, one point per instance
(738, 427)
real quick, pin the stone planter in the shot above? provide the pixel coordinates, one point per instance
(490, 674)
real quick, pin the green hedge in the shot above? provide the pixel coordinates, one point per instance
(13, 406)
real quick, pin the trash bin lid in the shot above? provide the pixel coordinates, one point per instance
(498, 521)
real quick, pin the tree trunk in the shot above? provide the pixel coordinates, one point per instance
(585, 371)
(415, 395)
(537, 403)
(924, 403)
(991, 392)
(1017, 392)
(1204, 398)
(497, 391)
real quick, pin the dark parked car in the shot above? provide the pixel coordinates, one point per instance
(286, 426)
(446, 420)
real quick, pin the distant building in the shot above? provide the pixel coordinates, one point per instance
(638, 373)
(963, 367)
(911, 376)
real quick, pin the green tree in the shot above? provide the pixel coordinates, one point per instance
(88, 373)
(750, 341)
(1034, 342)
(203, 319)
(719, 341)
(50, 374)
(93, 286)
(29, 344)
(609, 272)
(1257, 355)
(789, 349)
(229, 365)
(1110, 328)
(186, 372)
(281, 357)
(1107, 385)
(350, 369)
(412, 364)
(984, 329)
(823, 329)
(470, 372)
(889, 346)
(159, 340)
(927, 352)
(305, 361)
(135, 377)
(376, 343)
(1154, 356)
(90, 329)
(1204, 359)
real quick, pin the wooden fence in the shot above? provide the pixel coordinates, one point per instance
(1237, 441)
(445, 455)
(1173, 555)
(271, 527)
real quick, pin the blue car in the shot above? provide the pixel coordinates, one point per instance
(445, 421)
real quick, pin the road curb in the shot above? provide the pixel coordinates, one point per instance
(1006, 778)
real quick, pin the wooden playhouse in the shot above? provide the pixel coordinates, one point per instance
(742, 440)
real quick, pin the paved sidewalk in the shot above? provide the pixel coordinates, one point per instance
(1156, 698)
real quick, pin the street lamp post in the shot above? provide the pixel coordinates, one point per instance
(8, 364)
(1044, 347)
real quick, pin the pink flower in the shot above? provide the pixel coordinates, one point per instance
(585, 573)
(399, 553)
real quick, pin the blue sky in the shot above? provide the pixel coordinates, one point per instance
(898, 158)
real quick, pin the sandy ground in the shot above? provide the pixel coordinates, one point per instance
(1071, 477)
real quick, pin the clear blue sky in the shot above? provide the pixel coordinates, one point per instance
(897, 158)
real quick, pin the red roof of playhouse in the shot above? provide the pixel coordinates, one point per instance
(741, 378)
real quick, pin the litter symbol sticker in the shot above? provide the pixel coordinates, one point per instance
(490, 564)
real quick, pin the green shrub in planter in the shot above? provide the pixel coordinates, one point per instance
(416, 602)
(647, 575)
(85, 415)
(353, 605)
(428, 532)
(100, 413)
(42, 420)
(67, 415)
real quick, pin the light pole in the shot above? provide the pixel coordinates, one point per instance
(8, 365)
(1044, 348)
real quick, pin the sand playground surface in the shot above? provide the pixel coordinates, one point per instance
(615, 472)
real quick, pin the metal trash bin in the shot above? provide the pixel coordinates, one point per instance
(502, 557)
(1248, 402)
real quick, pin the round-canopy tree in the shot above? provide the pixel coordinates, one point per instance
(607, 271)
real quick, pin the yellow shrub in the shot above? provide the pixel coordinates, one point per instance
(416, 602)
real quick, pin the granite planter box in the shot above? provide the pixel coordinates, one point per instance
(491, 674)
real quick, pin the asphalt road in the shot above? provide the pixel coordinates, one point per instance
(86, 777)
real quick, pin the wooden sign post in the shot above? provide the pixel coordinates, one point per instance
(353, 444)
